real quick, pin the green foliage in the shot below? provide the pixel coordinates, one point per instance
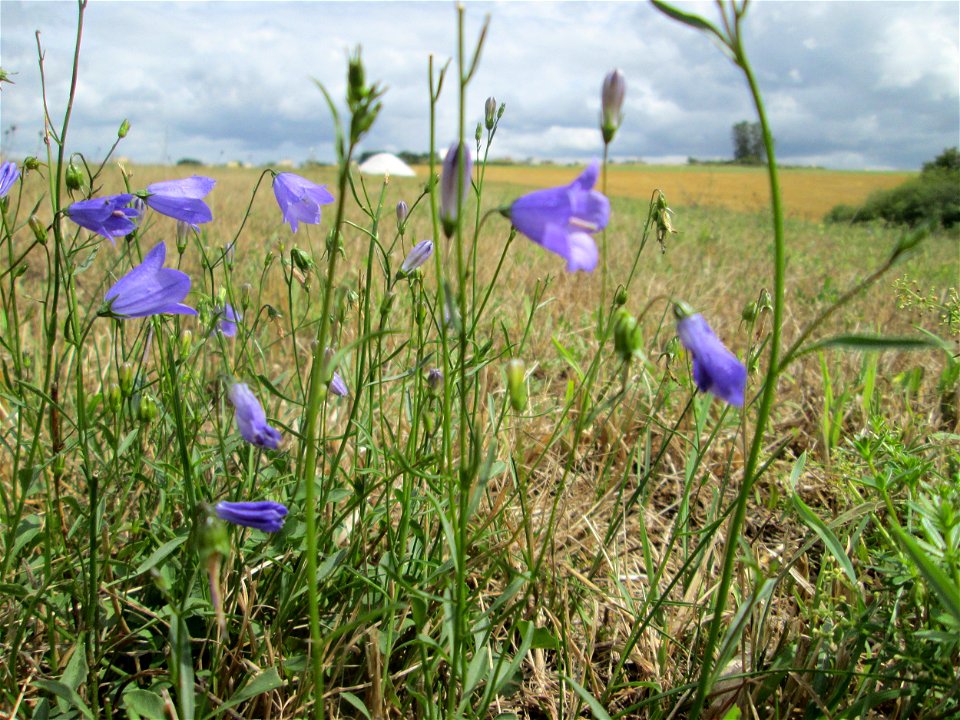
(931, 198)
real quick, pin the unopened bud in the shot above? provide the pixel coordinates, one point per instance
(479, 132)
(434, 381)
(124, 129)
(183, 235)
(212, 537)
(39, 231)
(148, 409)
(127, 376)
(31, 163)
(74, 176)
(114, 399)
(301, 259)
(620, 298)
(490, 112)
(387, 303)
(186, 342)
(749, 312)
(402, 212)
(516, 384)
(246, 290)
(611, 96)
(627, 337)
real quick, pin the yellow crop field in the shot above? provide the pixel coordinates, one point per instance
(807, 193)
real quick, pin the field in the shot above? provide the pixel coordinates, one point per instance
(529, 443)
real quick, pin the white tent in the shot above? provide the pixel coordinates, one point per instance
(386, 164)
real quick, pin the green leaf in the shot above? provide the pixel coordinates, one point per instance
(595, 707)
(694, 21)
(942, 586)
(812, 521)
(145, 703)
(160, 553)
(568, 356)
(65, 693)
(873, 343)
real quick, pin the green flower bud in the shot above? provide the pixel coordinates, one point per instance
(124, 129)
(387, 303)
(147, 412)
(749, 312)
(211, 536)
(489, 112)
(624, 329)
(301, 259)
(246, 291)
(74, 176)
(620, 298)
(127, 376)
(516, 384)
(114, 399)
(479, 132)
(39, 231)
(31, 163)
(186, 342)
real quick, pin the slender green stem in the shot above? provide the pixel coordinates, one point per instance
(769, 389)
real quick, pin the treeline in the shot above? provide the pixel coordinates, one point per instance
(933, 197)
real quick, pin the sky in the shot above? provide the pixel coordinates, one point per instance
(847, 85)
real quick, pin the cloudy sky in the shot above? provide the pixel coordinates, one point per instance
(847, 84)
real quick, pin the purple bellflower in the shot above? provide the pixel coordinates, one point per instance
(299, 199)
(337, 386)
(9, 172)
(562, 219)
(457, 163)
(715, 369)
(611, 103)
(227, 319)
(149, 289)
(420, 253)
(109, 216)
(251, 419)
(264, 515)
(182, 199)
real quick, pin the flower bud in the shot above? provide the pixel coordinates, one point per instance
(434, 381)
(749, 312)
(516, 384)
(211, 537)
(39, 231)
(186, 342)
(387, 303)
(183, 235)
(147, 412)
(127, 376)
(478, 133)
(74, 176)
(457, 170)
(31, 163)
(124, 129)
(303, 261)
(402, 212)
(489, 112)
(246, 290)
(627, 335)
(612, 94)
(620, 298)
(420, 253)
(114, 399)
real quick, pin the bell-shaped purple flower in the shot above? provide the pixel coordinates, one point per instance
(251, 419)
(299, 199)
(227, 319)
(337, 386)
(563, 219)
(9, 172)
(149, 289)
(715, 369)
(109, 216)
(182, 199)
(456, 173)
(420, 253)
(264, 515)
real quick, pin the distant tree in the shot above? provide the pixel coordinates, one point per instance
(949, 160)
(188, 161)
(748, 147)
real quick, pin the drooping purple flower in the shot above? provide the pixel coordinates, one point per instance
(110, 216)
(149, 289)
(562, 219)
(417, 256)
(227, 319)
(251, 419)
(715, 369)
(182, 199)
(337, 386)
(9, 172)
(456, 173)
(299, 199)
(264, 515)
